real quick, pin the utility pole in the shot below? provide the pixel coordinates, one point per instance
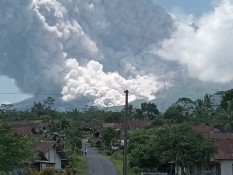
(126, 125)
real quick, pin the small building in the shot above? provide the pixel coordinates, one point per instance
(116, 126)
(132, 125)
(50, 154)
(138, 124)
(222, 162)
(28, 127)
(86, 126)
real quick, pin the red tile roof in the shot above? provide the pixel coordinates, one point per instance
(26, 127)
(23, 131)
(225, 149)
(133, 124)
(45, 146)
(223, 141)
(113, 125)
(221, 135)
(138, 124)
(206, 129)
(23, 122)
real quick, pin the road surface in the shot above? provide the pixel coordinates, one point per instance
(98, 164)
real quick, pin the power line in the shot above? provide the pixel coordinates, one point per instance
(49, 94)
(21, 93)
(9, 93)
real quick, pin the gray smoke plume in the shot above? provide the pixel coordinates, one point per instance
(204, 46)
(30, 50)
(94, 48)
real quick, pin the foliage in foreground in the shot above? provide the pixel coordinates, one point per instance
(15, 150)
(117, 159)
(46, 171)
(108, 135)
(77, 165)
(153, 148)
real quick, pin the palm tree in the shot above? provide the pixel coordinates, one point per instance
(224, 117)
(204, 109)
(38, 109)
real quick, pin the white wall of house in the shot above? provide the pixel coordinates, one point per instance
(226, 167)
(52, 156)
(178, 170)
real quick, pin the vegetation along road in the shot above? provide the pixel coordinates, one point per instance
(98, 164)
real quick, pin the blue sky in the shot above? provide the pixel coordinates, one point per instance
(6, 88)
(196, 8)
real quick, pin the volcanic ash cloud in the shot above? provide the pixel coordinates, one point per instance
(106, 88)
(204, 47)
(93, 49)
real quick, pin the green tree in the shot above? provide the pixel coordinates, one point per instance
(187, 106)
(158, 122)
(48, 103)
(204, 109)
(45, 108)
(224, 117)
(144, 157)
(137, 114)
(174, 114)
(109, 134)
(73, 137)
(64, 124)
(92, 114)
(149, 110)
(150, 149)
(113, 117)
(75, 114)
(38, 109)
(184, 146)
(142, 152)
(15, 150)
(46, 118)
(226, 96)
(138, 137)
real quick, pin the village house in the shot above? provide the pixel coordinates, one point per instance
(132, 125)
(222, 162)
(86, 126)
(50, 154)
(28, 127)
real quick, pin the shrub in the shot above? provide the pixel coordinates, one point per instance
(98, 143)
(79, 143)
(136, 170)
(3, 173)
(108, 153)
(48, 171)
(36, 173)
(117, 154)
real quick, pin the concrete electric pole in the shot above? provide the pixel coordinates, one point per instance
(125, 164)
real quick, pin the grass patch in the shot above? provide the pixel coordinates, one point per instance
(117, 159)
(78, 165)
(82, 166)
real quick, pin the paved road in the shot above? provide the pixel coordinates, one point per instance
(98, 164)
